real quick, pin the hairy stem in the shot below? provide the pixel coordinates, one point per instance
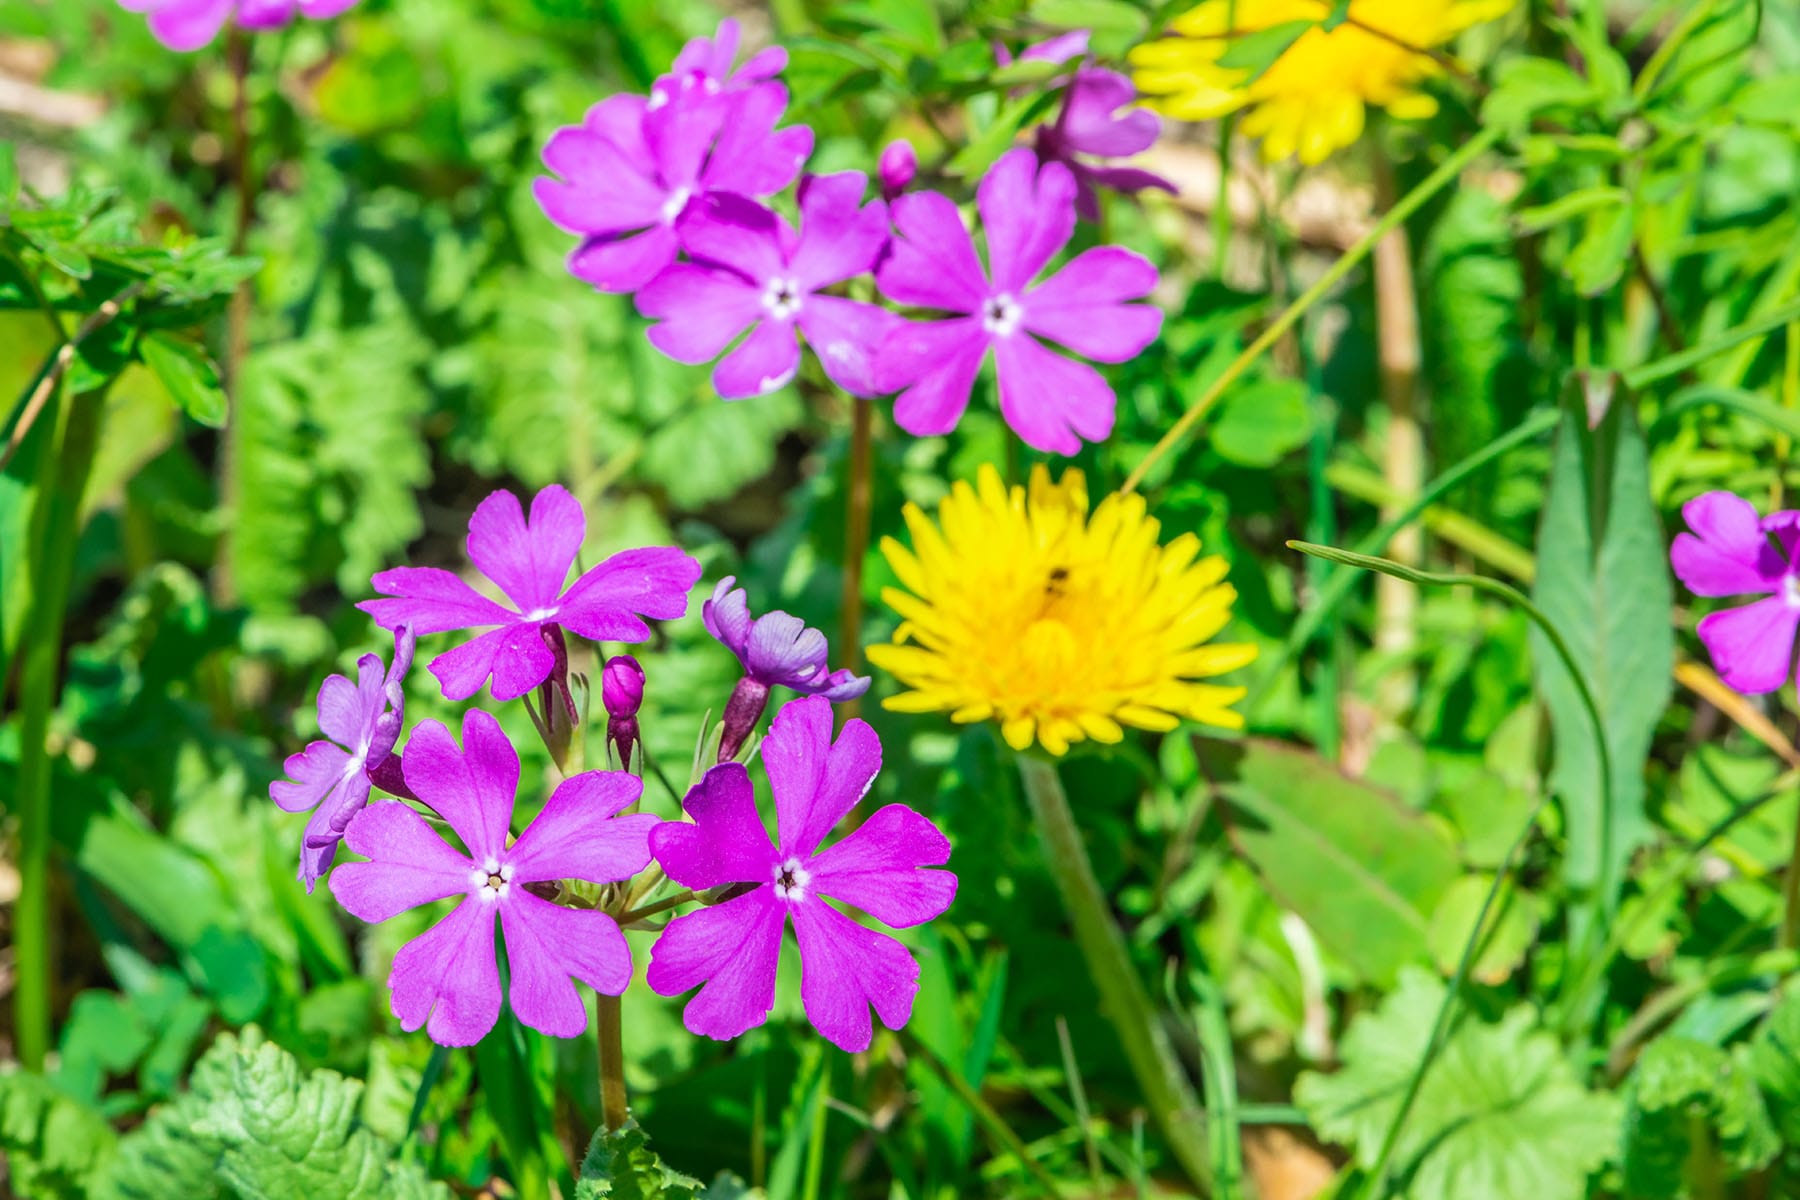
(1403, 449)
(237, 315)
(858, 496)
(614, 1107)
(55, 528)
(1148, 1050)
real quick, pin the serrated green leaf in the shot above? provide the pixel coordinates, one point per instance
(53, 1144)
(188, 372)
(619, 1165)
(1687, 1098)
(716, 446)
(1524, 87)
(1773, 1060)
(1499, 1113)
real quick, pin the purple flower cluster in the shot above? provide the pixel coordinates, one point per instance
(447, 980)
(1733, 552)
(667, 191)
(191, 24)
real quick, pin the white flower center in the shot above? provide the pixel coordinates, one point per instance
(782, 298)
(1000, 315)
(491, 881)
(541, 614)
(1790, 590)
(791, 879)
(678, 200)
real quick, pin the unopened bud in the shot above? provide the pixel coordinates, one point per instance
(896, 167)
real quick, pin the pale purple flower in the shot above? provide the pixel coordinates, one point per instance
(707, 61)
(1098, 118)
(529, 563)
(637, 166)
(898, 164)
(362, 721)
(1061, 48)
(191, 24)
(754, 271)
(733, 948)
(446, 979)
(1051, 401)
(1733, 553)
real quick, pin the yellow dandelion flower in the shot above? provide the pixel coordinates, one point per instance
(1311, 101)
(1023, 608)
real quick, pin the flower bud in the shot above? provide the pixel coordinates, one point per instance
(622, 692)
(896, 168)
(622, 686)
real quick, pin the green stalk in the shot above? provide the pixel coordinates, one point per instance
(56, 524)
(1446, 173)
(1123, 999)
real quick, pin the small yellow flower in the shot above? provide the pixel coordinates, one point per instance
(1060, 625)
(1311, 100)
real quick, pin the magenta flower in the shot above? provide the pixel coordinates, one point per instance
(636, 167)
(529, 563)
(446, 979)
(755, 272)
(1051, 401)
(1732, 553)
(898, 164)
(362, 721)
(622, 694)
(191, 24)
(1091, 123)
(733, 949)
(707, 61)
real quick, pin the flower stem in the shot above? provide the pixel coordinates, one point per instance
(615, 1111)
(237, 314)
(627, 919)
(858, 497)
(55, 527)
(1123, 999)
(1446, 173)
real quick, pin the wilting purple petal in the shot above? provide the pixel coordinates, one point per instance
(844, 969)
(725, 843)
(546, 945)
(447, 980)
(816, 781)
(409, 864)
(733, 950)
(879, 868)
(1753, 647)
(572, 838)
(775, 650)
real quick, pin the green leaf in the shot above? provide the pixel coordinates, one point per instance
(1260, 423)
(1688, 1101)
(254, 1126)
(53, 1144)
(1599, 258)
(1603, 582)
(716, 446)
(1524, 87)
(620, 1165)
(1511, 928)
(190, 376)
(1363, 871)
(1499, 1114)
(1773, 1060)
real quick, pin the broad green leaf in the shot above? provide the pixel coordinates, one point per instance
(184, 369)
(1603, 582)
(1499, 1113)
(1260, 423)
(1600, 257)
(1511, 928)
(1363, 871)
